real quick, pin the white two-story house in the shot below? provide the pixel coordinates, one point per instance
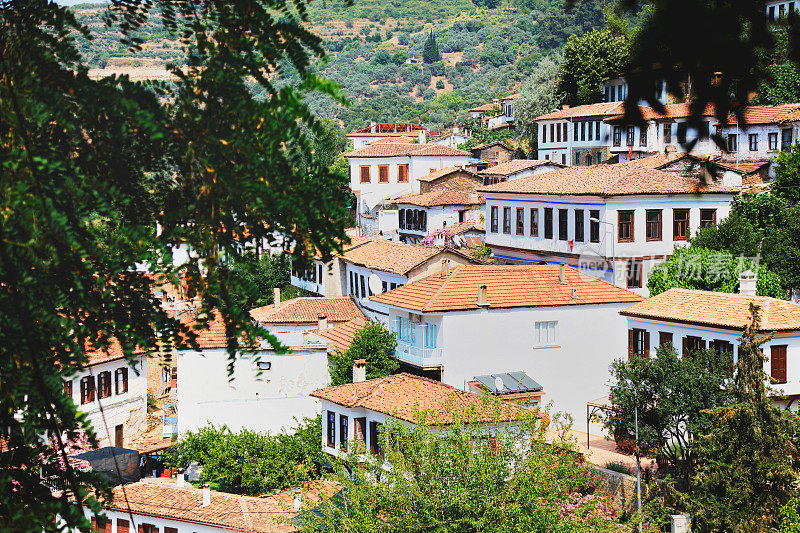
(421, 214)
(691, 320)
(505, 118)
(558, 326)
(778, 9)
(611, 221)
(576, 135)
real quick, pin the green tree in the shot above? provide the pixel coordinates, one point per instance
(248, 462)
(710, 270)
(589, 61)
(257, 277)
(81, 159)
(462, 479)
(430, 50)
(374, 343)
(538, 95)
(747, 466)
(787, 175)
(780, 86)
(673, 394)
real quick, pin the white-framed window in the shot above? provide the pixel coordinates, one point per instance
(545, 333)
(430, 335)
(405, 330)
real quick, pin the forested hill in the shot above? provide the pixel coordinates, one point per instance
(486, 48)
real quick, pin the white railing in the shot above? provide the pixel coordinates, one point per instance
(418, 356)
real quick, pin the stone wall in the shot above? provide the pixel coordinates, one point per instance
(622, 488)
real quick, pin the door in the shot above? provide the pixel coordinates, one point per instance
(118, 436)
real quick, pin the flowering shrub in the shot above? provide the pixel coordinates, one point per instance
(445, 233)
(587, 510)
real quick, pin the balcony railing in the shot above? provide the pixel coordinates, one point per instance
(418, 356)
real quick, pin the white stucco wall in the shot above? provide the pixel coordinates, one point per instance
(159, 522)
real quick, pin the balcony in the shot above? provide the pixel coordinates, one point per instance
(416, 355)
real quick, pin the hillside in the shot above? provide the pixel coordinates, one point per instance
(488, 47)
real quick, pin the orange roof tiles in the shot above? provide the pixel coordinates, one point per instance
(307, 310)
(213, 336)
(436, 174)
(342, 335)
(590, 110)
(388, 256)
(485, 107)
(508, 286)
(440, 197)
(162, 497)
(514, 166)
(112, 352)
(621, 179)
(717, 309)
(767, 114)
(683, 110)
(404, 395)
(390, 140)
(402, 149)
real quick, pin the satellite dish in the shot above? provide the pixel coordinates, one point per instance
(375, 284)
(498, 384)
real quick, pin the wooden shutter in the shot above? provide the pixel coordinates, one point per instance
(777, 363)
(685, 352)
(646, 344)
(664, 338)
(364, 173)
(631, 343)
(701, 344)
(123, 526)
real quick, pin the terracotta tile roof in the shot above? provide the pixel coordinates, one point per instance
(307, 310)
(388, 256)
(602, 109)
(745, 167)
(342, 335)
(390, 140)
(441, 197)
(112, 352)
(717, 309)
(463, 227)
(402, 149)
(436, 174)
(210, 338)
(401, 395)
(485, 107)
(514, 166)
(162, 497)
(767, 114)
(493, 143)
(621, 179)
(508, 286)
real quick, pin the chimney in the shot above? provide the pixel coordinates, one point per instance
(474, 197)
(206, 495)
(359, 370)
(445, 267)
(276, 295)
(747, 283)
(483, 296)
(297, 503)
(373, 127)
(670, 153)
(565, 106)
(322, 322)
(562, 274)
(456, 130)
(179, 481)
(421, 137)
(575, 293)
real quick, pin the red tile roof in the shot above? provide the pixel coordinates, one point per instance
(485, 107)
(516, 165)
(342, 335)
(672, 111)
(621, 179)
(404, 395)
(440, 197)
(436, 174)
(96, 356)
(602, 109)
(307, 310)
(390, 140)
(162, 497)
(717, 309)
(767, 114)
(402, 149)
(213, 336)
(508, 286)
(396, 257)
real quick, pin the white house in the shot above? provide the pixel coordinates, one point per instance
(558, 326)
(385, 130)
(165, 505)
(267, 390)
(454, 138)
(691, 320)
(517, 168)
(353, 414)
(778, 9)
(421, 214)
(485, 111)
(110, 382)
(505, 118)
(611, 221)
(577, 135)
(387, 170)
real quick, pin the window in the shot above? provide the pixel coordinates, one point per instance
(680, 224)
(331, 429)
(575, 131)
(599, 158)
(87, 389)
(682, 132)
(563, 159)
(752, 140)
(638, 343)
(264, 365)
(360, 433)
(402, 173)
(545, 333)
(620, 94)
(374, 434)
(703, 133)
(565, 131)
(544, 133)
(781, 10)
(534, 222)
(653, 224)
(777, 363)
(548, 222)
(664, 338)
(170, 529)
(563, 217)
(383, 173)
(708, 217)
(364, 170)
(588, 160)
(625, 226)
(123, 526)
(597, 131)
(507, 220)
(552, 133)
(558, 133)
(786, 139)
(773, 141)
(104, 385)
(494, 219)
(520, 221)
(667, 133)
(429, 335)
(629, 136)
(583, 131)
(692, 344)
(101, 524)
(634, 274)
(343, 433)
(724, 352)
(594, 226)
(363, 285)
(579, 225)
(771, 12)
(121, 380)
(405, 331)
(68, 388)
(590, 131)
(617, 136)
(577, 159)
(732, 144)
(643, 136)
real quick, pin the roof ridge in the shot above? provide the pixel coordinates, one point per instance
(452, 275)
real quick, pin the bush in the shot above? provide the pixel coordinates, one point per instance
(619, 467)
(439, 84)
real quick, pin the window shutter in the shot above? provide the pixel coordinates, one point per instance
(685, 352)
(701, 344)
(647, 344)
(122, 526)
(778, 363)
(631, 343)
